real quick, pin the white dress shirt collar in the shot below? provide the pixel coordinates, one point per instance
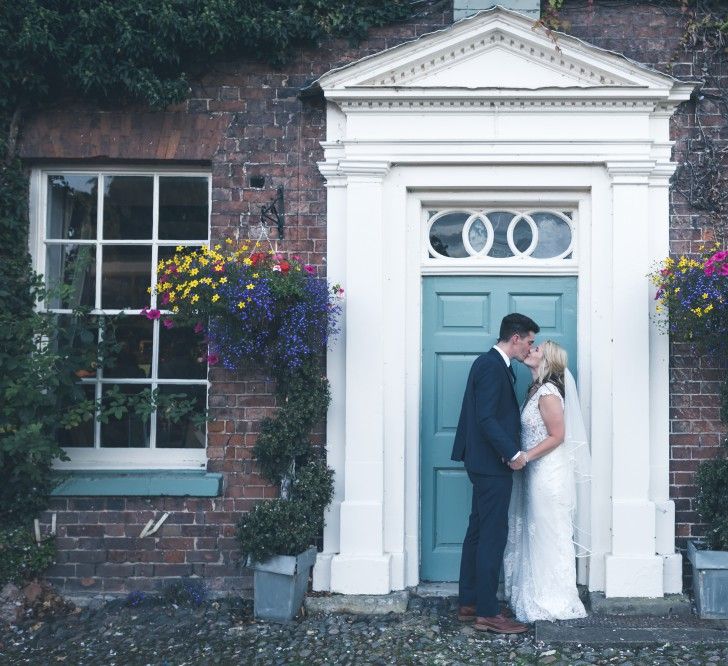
(503, 354)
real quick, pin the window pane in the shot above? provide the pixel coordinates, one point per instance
(71, 275)
(134, 358)
(446, 235)
(71, 207)
(129, 431)
(83, 434)
(126, 276)
(554, 235)
(183, 208)
(522, 235)
(128, 202)
(180, 351)
(183, 434)
(500, 221)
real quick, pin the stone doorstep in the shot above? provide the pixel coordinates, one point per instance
(672, 604)
(359, 604)
(623, 635)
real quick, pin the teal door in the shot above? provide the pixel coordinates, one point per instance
(460, 320)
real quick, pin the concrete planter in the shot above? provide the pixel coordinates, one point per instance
(279, 585)
(710, 581)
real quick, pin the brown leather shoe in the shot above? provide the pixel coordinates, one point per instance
(499, 625)
(505, 611)
(466, 613)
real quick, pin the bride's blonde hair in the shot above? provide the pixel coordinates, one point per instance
(553, 365)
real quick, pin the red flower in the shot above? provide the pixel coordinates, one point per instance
(285, 266)
(257, 257)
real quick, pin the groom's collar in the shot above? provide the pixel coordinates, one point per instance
(505, 356)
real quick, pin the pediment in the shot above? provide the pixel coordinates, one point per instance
(495, 49)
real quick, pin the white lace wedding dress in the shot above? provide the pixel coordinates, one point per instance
(539, 561)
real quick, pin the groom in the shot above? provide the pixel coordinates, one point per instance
(488, 440)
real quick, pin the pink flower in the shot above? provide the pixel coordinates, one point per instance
(724, 270)
(151, 313)
(212, 359)
(198, 327)
(296, 257)
(665, 271)
(709, 269)
(309, 269)
(720, 256)
(164, 298)
(168, 323)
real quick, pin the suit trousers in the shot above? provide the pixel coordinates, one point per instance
(485, 542)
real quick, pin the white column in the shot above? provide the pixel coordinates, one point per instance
(335, 362)
(632, 569)
(659, 247)
(362, 566)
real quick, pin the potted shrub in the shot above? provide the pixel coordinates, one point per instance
(695, 294)
(262, 310)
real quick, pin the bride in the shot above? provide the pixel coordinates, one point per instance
(539, 561)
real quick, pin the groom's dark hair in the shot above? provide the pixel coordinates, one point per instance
(516, 324)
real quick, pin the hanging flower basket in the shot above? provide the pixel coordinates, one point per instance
(694, 295)
(254, 307)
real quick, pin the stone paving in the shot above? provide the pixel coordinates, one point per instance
(160, 633)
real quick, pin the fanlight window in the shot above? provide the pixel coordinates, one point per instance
(500, 234)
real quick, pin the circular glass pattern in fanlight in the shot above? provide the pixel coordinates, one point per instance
(500, 234)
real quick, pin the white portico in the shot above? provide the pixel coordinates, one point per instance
(489, 113)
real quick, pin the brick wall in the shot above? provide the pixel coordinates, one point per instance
(254, 125)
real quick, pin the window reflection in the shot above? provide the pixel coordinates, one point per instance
(71, 207)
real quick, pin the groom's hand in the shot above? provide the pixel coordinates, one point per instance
(518, 463)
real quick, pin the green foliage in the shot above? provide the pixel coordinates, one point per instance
(288, 527)
(141, 50)
(21, 558)
(712, 479)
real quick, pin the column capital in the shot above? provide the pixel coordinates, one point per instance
(365, 170)
(630, 172)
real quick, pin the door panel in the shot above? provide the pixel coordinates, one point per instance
(461, 318)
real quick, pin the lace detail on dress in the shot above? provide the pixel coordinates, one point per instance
(539, 561)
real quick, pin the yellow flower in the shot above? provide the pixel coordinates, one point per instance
(215, 298)
(250, 286)
(194, 271)
(241, 305)
(229, 241)
(179, 248)
(195, 298)
(708, 308)
(256, 275)
(223, 280)
(705, 296)
(247, 261)
(218, 247)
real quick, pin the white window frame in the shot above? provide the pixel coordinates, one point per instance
(85, 458)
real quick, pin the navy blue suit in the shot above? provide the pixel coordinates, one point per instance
(488, 432)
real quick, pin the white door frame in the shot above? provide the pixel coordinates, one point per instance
(399, 130)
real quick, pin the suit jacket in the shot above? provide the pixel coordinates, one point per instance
(490, 421)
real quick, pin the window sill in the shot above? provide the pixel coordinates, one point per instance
(139, 483)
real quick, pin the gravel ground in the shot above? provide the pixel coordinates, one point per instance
(160, 633)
